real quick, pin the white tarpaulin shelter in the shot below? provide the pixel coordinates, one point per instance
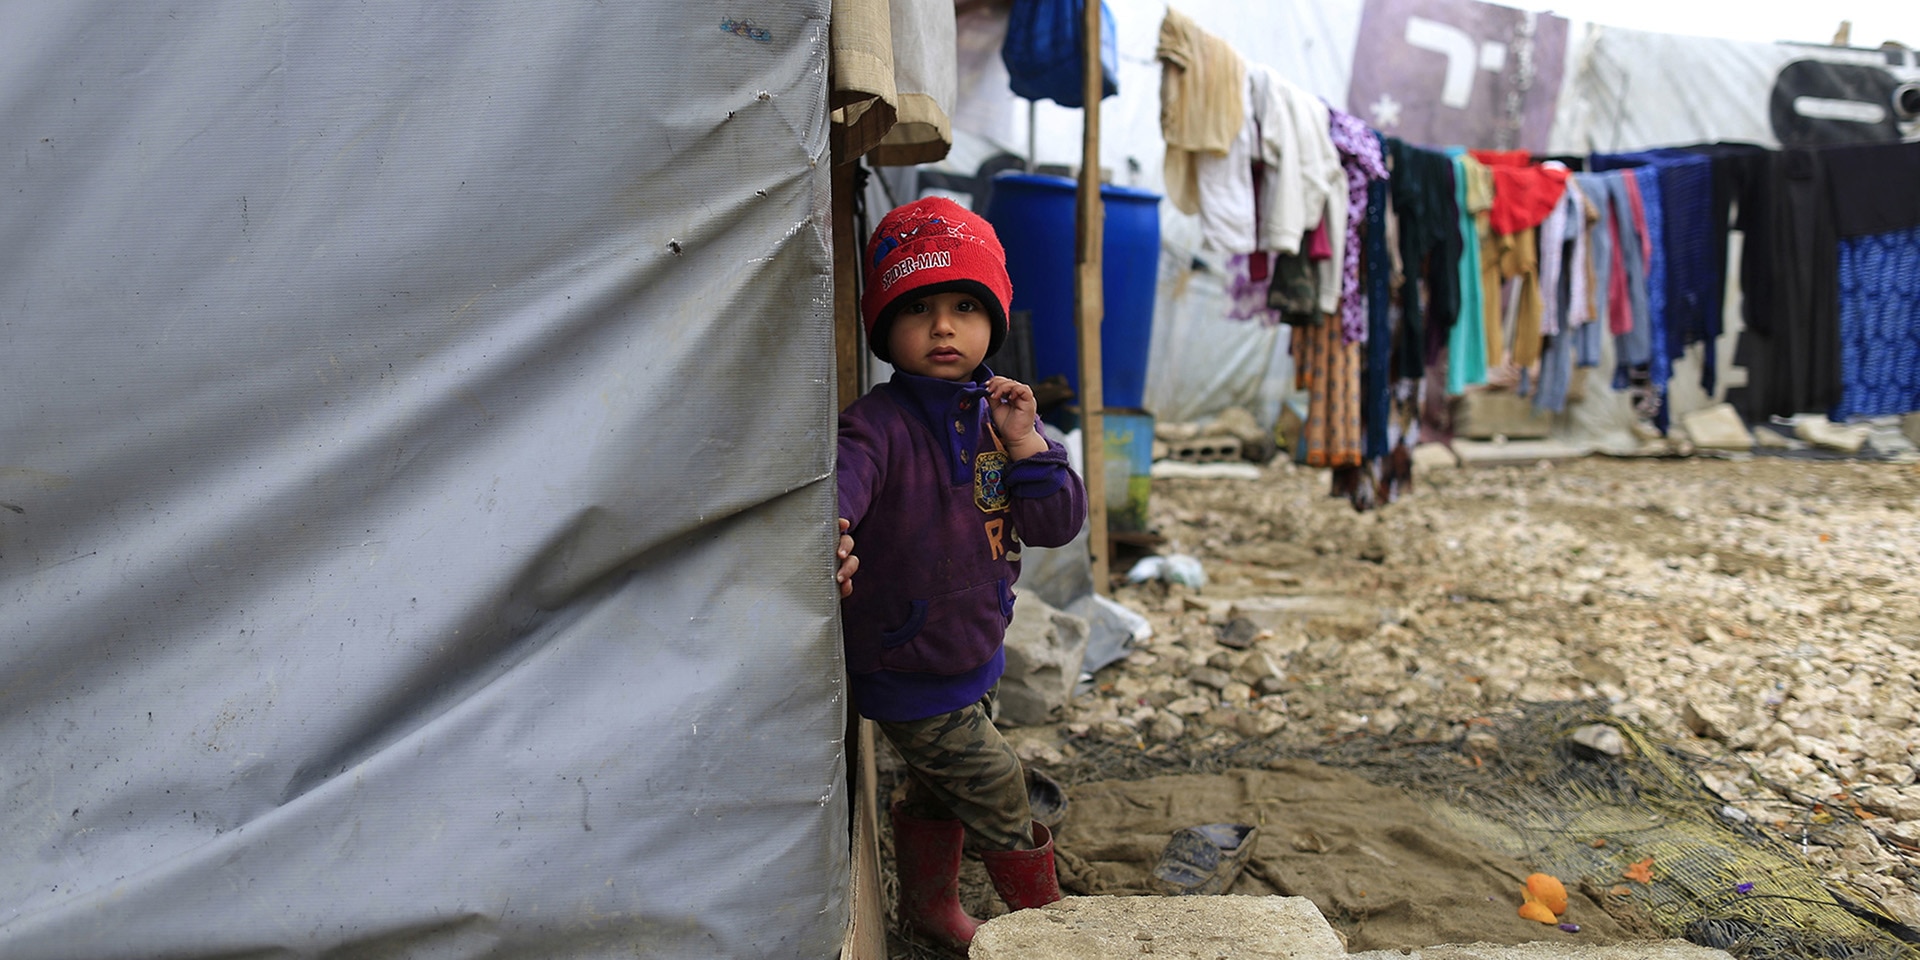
(415, 453)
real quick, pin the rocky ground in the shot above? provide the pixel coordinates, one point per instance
(1764, 612)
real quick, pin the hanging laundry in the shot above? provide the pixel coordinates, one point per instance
(1302, 198)
(1304, 178)
(1599, 242)
(1556, 233)
(1377, 266)
(1590, 340)
(1203, 84)
(1653, 244)
(1360, 156)
(1328, 367)
(1740, 201)
(1876, 213)
(1467, 348)
(1044, 48)
(1520, 281)
(1524, 192)
(1246, 293)
(1294, 290)
(1429, 247)
(1485, 249)
(1879, 279)
(1795, 366)
(1626, 296)
(1686, 294)
(1228, 186)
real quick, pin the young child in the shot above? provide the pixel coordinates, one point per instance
(943, 474)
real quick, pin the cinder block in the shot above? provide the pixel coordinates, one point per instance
(1212, 449)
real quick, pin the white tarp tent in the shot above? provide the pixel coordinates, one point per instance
(415, 450)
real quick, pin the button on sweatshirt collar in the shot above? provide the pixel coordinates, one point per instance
(953, 409)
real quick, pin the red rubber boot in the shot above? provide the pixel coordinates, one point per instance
(1025, 878)
(926, 856)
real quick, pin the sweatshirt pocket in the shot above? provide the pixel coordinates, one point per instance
(916, 618)
(950, 633)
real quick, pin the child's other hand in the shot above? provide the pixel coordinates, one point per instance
(1012, 407)
(848, 562)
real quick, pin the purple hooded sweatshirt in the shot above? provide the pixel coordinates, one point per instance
(938, 514)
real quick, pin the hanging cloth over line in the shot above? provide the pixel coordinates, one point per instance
(1203, 86)
(1043, 51)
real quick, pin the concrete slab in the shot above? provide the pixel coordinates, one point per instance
(1099, 928)
(1278, 612)
(1433, 456)
(1551, 950)
(1480, 454)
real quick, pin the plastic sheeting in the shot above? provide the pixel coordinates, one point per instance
(1631, 90)
(415, 434)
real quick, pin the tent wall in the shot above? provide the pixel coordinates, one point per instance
(414, 430)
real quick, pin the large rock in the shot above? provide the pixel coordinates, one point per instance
(1097, 928)
(1846, 438)
(1718, 427)
(1045, 648)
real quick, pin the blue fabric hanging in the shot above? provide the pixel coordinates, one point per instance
(1042, 51)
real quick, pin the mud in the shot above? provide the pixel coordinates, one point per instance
(1762, 613)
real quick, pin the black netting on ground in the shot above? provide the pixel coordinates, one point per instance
(1564, 809)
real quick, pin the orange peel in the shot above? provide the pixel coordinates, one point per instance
(1548, 891)
(1537, 911)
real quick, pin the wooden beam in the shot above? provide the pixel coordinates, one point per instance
(846, 279)
(866, 934)
(866, 937)
(1089, 299)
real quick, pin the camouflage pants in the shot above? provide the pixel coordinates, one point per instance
(960, 768)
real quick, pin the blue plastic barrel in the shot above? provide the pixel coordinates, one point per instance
(1033, 214)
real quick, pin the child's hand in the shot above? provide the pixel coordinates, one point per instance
(1011, 405)
(848, 562)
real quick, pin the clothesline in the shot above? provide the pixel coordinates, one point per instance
(1507, 265)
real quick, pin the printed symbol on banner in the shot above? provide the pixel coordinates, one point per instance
(1386, 112)
(990, 481)
(1462, 57)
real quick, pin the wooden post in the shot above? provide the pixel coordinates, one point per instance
(1089, 300)
(846, 280)
(866, 934)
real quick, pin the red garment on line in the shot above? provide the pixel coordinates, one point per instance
(1619, 311)
(1524, 192)
(1319, 244)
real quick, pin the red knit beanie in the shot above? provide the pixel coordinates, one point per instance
(929, 246)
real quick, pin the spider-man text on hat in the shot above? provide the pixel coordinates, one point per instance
(929, 246)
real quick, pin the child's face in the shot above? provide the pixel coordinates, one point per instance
(942, 335)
